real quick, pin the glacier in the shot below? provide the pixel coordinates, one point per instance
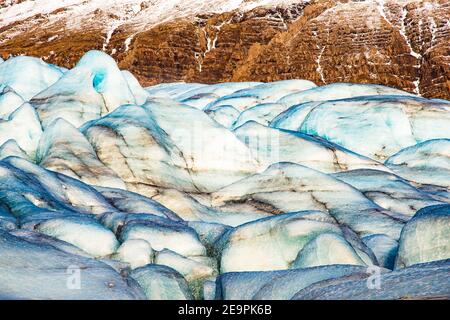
(249, 190)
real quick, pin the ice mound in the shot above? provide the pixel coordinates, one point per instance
(263, 93)
(384, 248)
(385, 124)
(388, 190)
(172, 90)
(327, 249)
(337, 91)
(11, 149)
(425, 281)
(170, 284)
(191, 209)
(277, 285)
(93, 88)
(164, 234)
(24, 128)
(86, 234)
(425, 237)
(135, 252)
(224, 115)
(27, 76)
(289, 187)
(262, 113)
(271, 145)
(290, 240)
(9, 102)
(107, 79)
(278, 190)
(163, 139)
(427, 162)
(37, 270)
(64, 149)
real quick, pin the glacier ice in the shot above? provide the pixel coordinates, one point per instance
(273, 243)
(327, 249)
(162, 234)
(426, 163)
(24, 127)
(384, 248)
(262, 113)
(200, 101)
(245, 190)
(7, 220)
(139, 93)
(389, 123)
(9, 102)
(289, 187)
(129, 203)
(337, 91)
(38, 238)
(161, 283)
(85, 233)
(425, 237)
(27, 76)
(209, 233)
(203, 96)
(195, 270)
(224, 115)
(136, 252)
(277, 285)
(219, 90)
(191, 209)
(271, 145)
(72, 98)
(37, 270)
(11, 149)
(388, 190)
(192, 268)
(164, 151)
(264, 93)
(27, 190)
(426, 281)
(107, 79)
(64, 149)
(172, 90)
(94, 87)
(208, 291)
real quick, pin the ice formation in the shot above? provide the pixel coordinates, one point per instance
(281, 190)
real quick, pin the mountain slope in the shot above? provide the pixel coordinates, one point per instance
(404, 43)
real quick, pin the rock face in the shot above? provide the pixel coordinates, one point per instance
(403, 44)
(237, 190)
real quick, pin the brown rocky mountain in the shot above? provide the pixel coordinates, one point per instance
(401, 43)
